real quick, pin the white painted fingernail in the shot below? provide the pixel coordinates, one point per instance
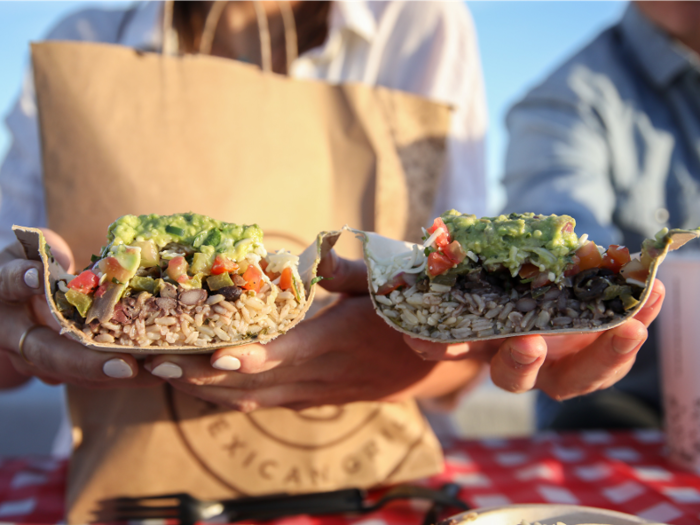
(167, 371)
(457, 350)
(31, 278)
(117, 369)
(227, 362)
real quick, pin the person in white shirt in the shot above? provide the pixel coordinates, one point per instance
(425, 48)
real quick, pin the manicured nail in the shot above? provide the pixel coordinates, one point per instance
(117, 369)
(623, 345)
(457, 350)
(31, 278)
(523, 359)
(227, 362)
(167, 371)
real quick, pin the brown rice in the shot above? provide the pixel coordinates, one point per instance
(251, 317)
(458, 314)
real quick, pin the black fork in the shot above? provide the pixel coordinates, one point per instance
(188, 510)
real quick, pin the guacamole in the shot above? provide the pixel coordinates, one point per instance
(203, 233)
(512, 240)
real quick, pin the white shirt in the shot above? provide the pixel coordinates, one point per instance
(426, 48)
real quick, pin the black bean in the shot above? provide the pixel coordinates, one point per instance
(230, 293)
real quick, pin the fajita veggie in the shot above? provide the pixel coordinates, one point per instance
(180, 281)
(493, 277)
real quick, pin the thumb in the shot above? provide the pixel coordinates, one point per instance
(343, 275)
(60, 249)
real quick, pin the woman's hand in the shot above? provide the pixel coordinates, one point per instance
(47, 355)
(563, 366)
(348, 353)
(345, 353)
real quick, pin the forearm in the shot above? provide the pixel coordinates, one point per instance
(9, 376)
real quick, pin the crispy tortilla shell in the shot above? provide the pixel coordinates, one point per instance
(37, 249)
(377, 247)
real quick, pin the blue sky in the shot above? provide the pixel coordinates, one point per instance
(519, 42)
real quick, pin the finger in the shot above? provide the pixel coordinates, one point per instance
(517, 363)
(653, 305)
(343, 275)
(437, 351)
(203, 370)
(600, 365)
(19, 280)
(53, 357)
(42, 312)
(60, 250)
(306, 341)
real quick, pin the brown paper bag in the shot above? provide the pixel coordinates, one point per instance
(127, 132)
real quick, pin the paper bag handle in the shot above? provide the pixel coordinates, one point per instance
(212, 21)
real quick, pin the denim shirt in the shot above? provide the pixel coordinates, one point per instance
(612, 138)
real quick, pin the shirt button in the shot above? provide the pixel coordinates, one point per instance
(661, 215)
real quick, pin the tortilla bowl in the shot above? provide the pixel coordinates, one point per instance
(177, 317)
(470, 307)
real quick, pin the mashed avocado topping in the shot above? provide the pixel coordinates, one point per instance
(203, 233)
(547, 241)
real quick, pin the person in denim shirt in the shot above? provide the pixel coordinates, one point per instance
(612, 137)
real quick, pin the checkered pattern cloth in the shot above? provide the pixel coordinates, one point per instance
(625, 471)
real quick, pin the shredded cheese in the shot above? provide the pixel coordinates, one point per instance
(280, 260)
(383, 270)
(430, 240)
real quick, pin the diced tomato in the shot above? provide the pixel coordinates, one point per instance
(85, 283)
(224, 265)
(635, 270)
(542, 279)
(438, 263)
(615, 258)
(444, 238)
(589, 256)
(528, 271)
(114, 271)
(394, 283)
(177, 269)
(568, 227)
(573, 267)
(253, 278)
(286, 279)
(454, 252)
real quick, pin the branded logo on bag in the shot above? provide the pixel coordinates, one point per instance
(361, 444)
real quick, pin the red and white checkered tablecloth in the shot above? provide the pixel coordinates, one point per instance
(625, 471)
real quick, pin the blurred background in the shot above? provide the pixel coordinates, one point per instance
(519, 43)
